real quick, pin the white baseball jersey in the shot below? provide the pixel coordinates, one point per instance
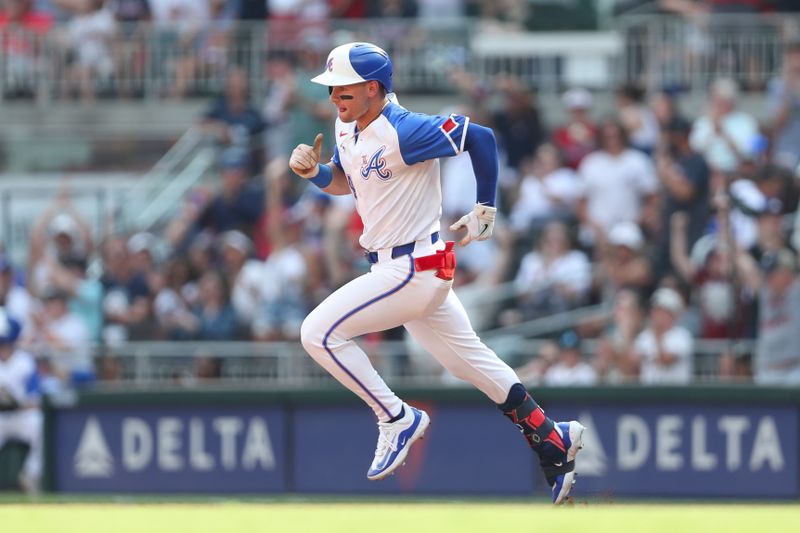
(20, 379)
(18, 376)
(393, 170)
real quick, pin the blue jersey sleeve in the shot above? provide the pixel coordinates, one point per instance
(424, 137)
(335, 158)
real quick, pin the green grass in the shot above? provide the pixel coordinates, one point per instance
(439, 516)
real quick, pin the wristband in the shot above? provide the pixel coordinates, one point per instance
(323, 178)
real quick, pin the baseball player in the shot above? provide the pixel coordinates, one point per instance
(20, 415)
(388, 159)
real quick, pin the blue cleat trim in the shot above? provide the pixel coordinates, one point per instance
(404, 441)
(562, 482)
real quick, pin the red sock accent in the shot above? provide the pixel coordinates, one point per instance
(555, 439)
(536, 418)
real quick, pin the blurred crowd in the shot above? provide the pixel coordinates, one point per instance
(179, 48)
(680, 226)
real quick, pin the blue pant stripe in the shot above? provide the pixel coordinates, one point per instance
(353, 312)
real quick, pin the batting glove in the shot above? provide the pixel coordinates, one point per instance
(479, 224)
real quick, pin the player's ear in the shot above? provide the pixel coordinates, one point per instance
(373, 88)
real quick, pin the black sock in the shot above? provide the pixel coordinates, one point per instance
(526, 414)
(399, 416)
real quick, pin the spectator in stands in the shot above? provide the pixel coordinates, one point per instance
(549, 190)
(684, 178)
(393, 9)
(215, 317)
(709, 271)
(131, 17)
(534, 370)
(578, 137)
(277, 105)
(619, 184)
(233, 121)
(204, 32)
(755, 195)
(639, 121)
(171, 310)
(664, 105)
(85, 294)
(91, 33)
(623, 263)
(784, 109)
(282, 305)
(207, 367)
(724, 135)
(612, 361)
(142, 250)
(571, 369)
(22, 28)
(200, 256)
(14, 297)
(553, 278)
(126, 296)
(59, 233)
(310, 112)
(517, 124)
(63, 338)
(109, 368)
(664, 350)
(243, 274)
(179, 24)
(777, 357)
(239, 202)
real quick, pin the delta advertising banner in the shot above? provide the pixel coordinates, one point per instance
(653, 450)
(170, 450)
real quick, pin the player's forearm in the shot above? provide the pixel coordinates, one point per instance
(482, 148)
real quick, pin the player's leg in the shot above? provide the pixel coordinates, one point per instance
(27, 426)
(448, 335)
(382, 299)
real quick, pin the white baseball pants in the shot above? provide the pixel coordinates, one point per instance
(390, 295)
(26, 425)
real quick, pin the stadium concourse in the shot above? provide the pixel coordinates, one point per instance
(646, 212)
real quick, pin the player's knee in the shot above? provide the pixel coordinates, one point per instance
(311, 335)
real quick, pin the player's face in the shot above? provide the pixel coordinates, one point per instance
(351, 101)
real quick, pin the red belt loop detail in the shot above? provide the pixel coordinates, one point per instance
(444, 261)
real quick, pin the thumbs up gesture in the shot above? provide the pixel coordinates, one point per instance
(305, 159)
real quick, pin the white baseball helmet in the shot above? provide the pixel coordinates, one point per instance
(353, 63)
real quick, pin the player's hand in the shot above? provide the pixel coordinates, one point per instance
(479, 224)
(305, 159)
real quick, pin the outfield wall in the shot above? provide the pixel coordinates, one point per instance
(655, 442)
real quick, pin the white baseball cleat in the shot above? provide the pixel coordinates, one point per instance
(394, 440)
(561, 475)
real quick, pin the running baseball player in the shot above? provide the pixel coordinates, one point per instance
(20, 415)
(388, 159)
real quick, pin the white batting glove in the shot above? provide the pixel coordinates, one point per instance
(305, 159)
(479, 224)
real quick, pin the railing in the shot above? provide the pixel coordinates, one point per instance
(153, 63)
(286, 364)
(157, 195)
(670, 52)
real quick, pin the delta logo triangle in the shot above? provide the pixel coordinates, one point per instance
(93, 458)
(592, 461)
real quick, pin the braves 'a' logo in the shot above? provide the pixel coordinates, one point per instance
(376, 164)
